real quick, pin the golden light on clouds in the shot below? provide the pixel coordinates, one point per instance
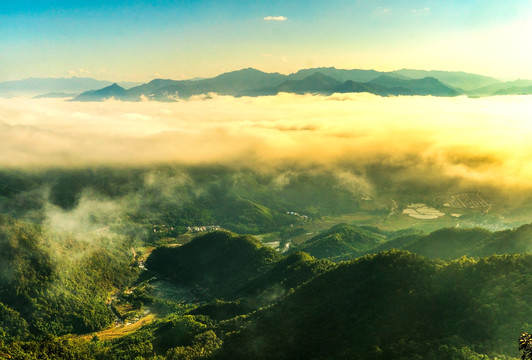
(481, 139)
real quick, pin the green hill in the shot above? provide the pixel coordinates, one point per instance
(228, 266)
(341, 242)
(450, 243)
(221, 262)
(395, 305)
(51, 296)
(288, 273)
(344, 242)
(389, 305)
(514, 241)
(453, 243)
(246, 216)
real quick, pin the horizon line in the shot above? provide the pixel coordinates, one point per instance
(195, 78)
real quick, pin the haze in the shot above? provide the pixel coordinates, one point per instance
(483, 140)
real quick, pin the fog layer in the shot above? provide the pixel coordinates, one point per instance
(485, 139)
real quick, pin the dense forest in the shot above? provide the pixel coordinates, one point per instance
(178, 263)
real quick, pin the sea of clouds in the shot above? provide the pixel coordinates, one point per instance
(484, 139)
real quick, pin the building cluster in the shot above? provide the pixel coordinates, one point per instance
(204, 228)
(293, 213)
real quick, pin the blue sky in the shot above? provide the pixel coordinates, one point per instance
(140, 40)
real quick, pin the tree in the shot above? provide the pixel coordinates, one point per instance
(525, 346)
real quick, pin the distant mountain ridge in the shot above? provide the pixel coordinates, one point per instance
(457, 79)
(111, 91)
(253, 82)
(423, 86)
(53, 87)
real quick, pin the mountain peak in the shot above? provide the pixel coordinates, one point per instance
(245, 71)
(318, 75)
(113, 90)
(114, 86)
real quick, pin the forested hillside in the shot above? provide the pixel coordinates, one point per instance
(124, 264)
(40, 295)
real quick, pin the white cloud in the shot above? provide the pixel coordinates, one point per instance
(422, 11)
(275, 18)
(484, 139)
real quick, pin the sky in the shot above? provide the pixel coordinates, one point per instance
(140, 40)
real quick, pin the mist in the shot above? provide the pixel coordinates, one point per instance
(97, 185)
(114, 169)
(475, 139)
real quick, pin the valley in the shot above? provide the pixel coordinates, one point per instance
(129, 277)
(265, 180)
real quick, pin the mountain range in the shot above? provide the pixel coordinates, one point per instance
(53, 87)
(345, 242)
(252, 82)
(326, 81)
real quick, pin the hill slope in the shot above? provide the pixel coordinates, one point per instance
(111, 91)
(500, 87)
(341, 242)
(457, 79)
(394, 305)
(221, 261)
(453, 243)
(424, 86)
(342, 75)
